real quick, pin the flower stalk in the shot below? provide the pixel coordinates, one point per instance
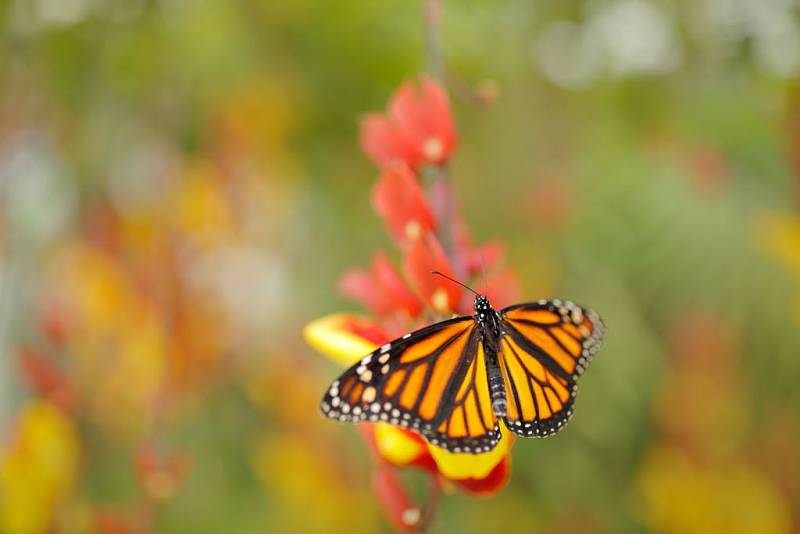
(432, 12)
(411, 143)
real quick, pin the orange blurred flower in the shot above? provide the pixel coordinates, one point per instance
(160, 475)
(48, 381)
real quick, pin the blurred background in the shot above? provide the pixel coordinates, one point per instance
(181, 188)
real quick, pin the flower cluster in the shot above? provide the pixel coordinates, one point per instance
(137, 311)
(412, 145)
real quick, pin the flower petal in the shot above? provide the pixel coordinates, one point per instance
(424, 118)
(399, 200)
(425, 256)
(344, 338)
(462, 466)
(492, 483)
(394, 287)
(384, 145)
(398, 446)
(438, 105)
(360, 286)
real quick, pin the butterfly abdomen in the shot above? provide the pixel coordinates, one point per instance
(497, 387)
(489, 323)
(498, 394)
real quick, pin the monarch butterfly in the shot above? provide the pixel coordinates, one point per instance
(454, 380)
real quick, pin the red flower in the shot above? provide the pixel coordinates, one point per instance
(384, 145)
(381, 289)
(399, 200)
(47, 380)
(110, 521)
(492, 483)
(54, 324)
(418, 129)
(425, 256)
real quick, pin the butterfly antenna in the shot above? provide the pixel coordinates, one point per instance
(483, 275)
(456, 281)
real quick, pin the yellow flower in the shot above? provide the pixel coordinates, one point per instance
(117, 335)
(337, 337)
(203, 214)
(294, 475)
(682, 496)
(779, 235)
(37, 469)
(460, 466)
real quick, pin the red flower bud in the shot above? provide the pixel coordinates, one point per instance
(400, 510)
(399, 200)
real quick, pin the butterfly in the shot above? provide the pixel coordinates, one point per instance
(453, 381)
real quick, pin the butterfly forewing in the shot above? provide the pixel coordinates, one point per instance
(546, 346)
(432, 380)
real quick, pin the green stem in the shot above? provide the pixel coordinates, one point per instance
(432, 11)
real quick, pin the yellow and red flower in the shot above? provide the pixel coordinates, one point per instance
(344, 339)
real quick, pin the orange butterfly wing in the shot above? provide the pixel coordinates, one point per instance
(546, 346)
(432, 381)
(470, 426)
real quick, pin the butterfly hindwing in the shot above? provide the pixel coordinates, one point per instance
(432, 381)
(470, 425)
(546, 346)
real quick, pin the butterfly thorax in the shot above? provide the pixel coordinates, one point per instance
(489, 327)
(486, 317)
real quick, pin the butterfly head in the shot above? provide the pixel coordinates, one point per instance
(483, 310)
